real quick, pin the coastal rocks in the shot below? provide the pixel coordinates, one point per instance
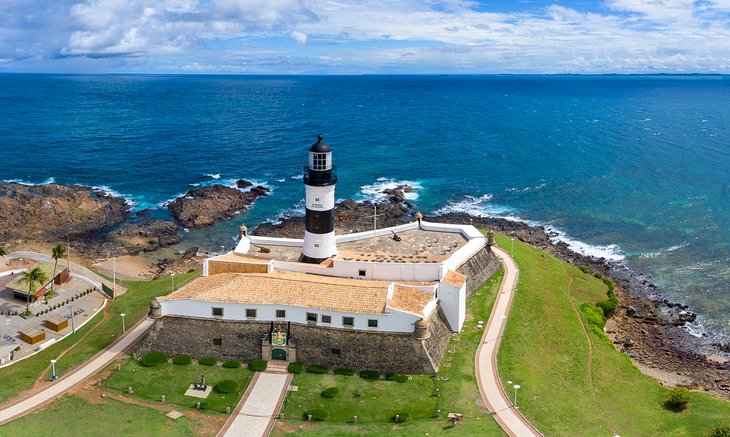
(146, 237)
(209, 205)
(51, 210)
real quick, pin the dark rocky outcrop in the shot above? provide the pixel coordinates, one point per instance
(146, 236)
(52, 210)
(209, 205)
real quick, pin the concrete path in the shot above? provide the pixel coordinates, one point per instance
(256, 412)
(77, 376)
(493, 394)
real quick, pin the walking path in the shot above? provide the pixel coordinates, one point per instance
(256, 412)
(493, 394)
(67, 382)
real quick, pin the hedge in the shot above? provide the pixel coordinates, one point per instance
(258, 365)
(232, 364)
(344, 371)
(182, 359)
(370, 374)
(330, 392)
(317, 414)
(295, 368)
(396, 377)
(153, 359)
(226, 386)
(207, 361)
(317, 368)
(721, 430)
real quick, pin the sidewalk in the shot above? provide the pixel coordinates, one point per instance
(256, 412)
(67, 382)
(493, 394)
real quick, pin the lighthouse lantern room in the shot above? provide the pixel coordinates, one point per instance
(320, 178)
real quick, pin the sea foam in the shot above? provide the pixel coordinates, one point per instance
(374, 191)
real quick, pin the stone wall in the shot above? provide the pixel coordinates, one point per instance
(436, 344)
(384, 352)
(479, 268)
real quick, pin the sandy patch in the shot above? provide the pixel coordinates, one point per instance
(127, 267)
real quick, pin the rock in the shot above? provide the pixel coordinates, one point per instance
(146, 236)
(630, 311)
(241, 183)
(209, 205)
(51, 210)
(190, 253)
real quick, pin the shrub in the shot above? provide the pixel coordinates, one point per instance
(182, 359)
(722, 430)
(585, 270)
(598, 275)
(258, 365)
(402, 417)
(330, 392)
(677, 399)
(317, 414)
(317, 368)
(370, 374)
(226, 386)
(153, 359)
(396, 377)
(593, 315)
(295, 368)
(232, 364)
(207, 361)
(344, 371)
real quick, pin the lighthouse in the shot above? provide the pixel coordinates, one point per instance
(320, 178)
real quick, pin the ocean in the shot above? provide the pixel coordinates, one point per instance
(631, 168)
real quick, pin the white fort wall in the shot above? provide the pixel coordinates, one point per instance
(396, 321)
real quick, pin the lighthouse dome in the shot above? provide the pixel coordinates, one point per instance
(320, 146)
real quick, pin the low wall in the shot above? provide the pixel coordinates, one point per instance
(479, 269)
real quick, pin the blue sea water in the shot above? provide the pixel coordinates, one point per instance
(627, 167)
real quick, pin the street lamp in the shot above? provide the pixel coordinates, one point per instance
(73, 323)
(53, 363)
(172, 277)
(114, 278)
(512, 251)
(517, 387)
(124, 327)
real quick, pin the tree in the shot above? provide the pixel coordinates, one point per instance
(56, 253)
(31, 276)
(3, 252)
(678, 399)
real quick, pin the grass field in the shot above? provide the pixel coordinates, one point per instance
(459, 393)
(72, 416)
(172, 380)
(564, 391)
(135, 303)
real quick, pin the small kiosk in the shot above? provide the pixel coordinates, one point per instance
(57, 323)
(32, 335)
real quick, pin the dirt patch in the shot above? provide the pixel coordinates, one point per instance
(286, 427)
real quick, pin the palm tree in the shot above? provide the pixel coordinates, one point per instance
(31, 276)
(56, 253)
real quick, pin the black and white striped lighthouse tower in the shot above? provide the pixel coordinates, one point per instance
(320, 178)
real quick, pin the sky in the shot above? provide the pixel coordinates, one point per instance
(360, 36)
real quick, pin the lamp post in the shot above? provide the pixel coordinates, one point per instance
(73, 323)
(114, 277)
(512, 251)
(124, 327)
(223, 249)
(172, 277)
(53, 364)
(517, 387)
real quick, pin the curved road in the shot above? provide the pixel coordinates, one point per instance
(493, 394)
(81, 373)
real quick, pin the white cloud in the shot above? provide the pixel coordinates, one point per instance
(298, 36)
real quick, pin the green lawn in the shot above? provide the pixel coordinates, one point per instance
(135, 303)
(171, 380)
(72, 416)
(545, 350)
(459, 393)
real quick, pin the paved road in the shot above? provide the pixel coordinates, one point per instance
(256, 412)
(493, 394)
(67, 382)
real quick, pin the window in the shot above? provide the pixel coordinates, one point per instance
(348, 321)
(217, 342)
(280, 313)
(326, 319)
(362, 272)
(320, 161)
(251, 313)
(312, 317)
(372, 323)
(217, 312)
(335, 352)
